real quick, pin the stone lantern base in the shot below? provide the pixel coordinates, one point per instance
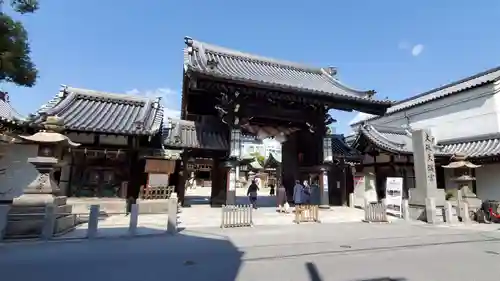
(27, 214)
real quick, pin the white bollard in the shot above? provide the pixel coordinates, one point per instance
(406, 210)
(49, 222)
(351, 200)
(172, 214)
(4, 218)
(430, 210)
(93, 222)
(134, 218)
(465, 215)
(448, 212)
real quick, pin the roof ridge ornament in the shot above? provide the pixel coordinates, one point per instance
(332, 71)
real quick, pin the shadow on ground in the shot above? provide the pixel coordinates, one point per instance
(185, 256)
(314, 275)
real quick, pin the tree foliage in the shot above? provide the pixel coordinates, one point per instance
(16, 65)
(261, 159)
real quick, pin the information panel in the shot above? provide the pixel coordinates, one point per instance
(394, 196)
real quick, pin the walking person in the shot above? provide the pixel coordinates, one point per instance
(252, 194)
(281, 198)
(307, 193)
(298, 193)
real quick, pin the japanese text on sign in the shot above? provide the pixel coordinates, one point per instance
(429, 154)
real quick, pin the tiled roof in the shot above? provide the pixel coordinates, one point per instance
(273, 160)
(391, 139)
(479, 148)
(399, 140)
(94, 111)
(342, 149)
(470, 82)
(191, 134)
(230, 64)
(7, 112)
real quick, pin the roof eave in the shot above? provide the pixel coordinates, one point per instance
(424, 102)
(382, 106)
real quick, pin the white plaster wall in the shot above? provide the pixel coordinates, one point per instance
(19, 173)
(471, 113)
(488, 182)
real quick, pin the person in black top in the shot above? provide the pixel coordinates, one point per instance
(252, 194)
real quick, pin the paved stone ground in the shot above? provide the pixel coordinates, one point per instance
(348, 252)
(202, 215)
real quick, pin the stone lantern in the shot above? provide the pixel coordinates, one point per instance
(464, 179)
(43, 190)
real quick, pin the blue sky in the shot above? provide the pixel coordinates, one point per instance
(398, 48)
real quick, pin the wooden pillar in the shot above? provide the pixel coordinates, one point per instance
(69, 192)
(289, 164)
(343, 182)
(218, 192)
(182, 179)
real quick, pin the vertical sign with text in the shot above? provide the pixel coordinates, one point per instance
(394, 195)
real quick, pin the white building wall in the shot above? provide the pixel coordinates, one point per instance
(471, 113)
(488, 182)
(467, 114)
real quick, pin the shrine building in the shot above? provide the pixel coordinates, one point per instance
(228, 94)
(463, 116)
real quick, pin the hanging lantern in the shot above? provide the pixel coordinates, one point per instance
(327, 149)
(235, 145)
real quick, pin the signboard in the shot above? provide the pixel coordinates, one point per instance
(394, 196)
(157, 180)
(325, 181)
(232, 180)
(429, 159)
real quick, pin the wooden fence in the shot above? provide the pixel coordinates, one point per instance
(375, 212)
(236, 216)
(306, 213)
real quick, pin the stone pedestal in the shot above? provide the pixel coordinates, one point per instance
(27, 214)
(470, 198)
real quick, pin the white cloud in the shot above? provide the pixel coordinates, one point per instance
(414, 49)
(361, 116)
(417, 50)
(160, 92)
(170, 100)
(171, 113)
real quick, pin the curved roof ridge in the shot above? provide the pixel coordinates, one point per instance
(390, 129)
(83, 110)
(363, 93)
(370, 128)
(9, 113)
(464, 84)
(224, 51)
(108, 95)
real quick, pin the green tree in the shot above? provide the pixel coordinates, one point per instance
(16, 65)
(261, 159)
